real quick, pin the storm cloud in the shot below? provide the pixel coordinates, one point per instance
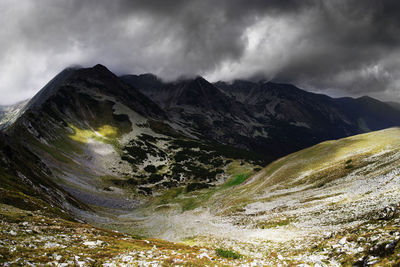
(336, 47)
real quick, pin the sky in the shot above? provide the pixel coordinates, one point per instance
(340, 48)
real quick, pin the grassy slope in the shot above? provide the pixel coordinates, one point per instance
(317, 166)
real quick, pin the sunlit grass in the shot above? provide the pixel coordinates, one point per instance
(108, 131)
(103, 134)
(316, 166)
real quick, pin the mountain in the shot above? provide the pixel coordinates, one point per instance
(195, 162)
(204, 110)
(340, 117)
(106, 141)
(267, 118)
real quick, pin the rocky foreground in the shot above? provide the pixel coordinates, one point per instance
(35, 238)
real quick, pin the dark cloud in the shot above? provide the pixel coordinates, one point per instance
(345, 47)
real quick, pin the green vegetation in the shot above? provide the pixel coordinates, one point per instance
(240, 178)
(227, 254)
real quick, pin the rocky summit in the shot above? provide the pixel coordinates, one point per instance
(101, 170)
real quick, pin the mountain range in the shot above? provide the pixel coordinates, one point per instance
(253, 115)
(194, 160)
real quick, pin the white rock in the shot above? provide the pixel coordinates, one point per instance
(93, 244)
(51, 245)
(204, 255)
(343, 241)
(328, 234)
(13, 233)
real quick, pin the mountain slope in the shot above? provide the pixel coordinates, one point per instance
(27, 183)
(319, 167)
(338, 190)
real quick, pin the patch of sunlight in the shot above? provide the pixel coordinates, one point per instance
(102, 134)
(372, 142)
(108, 131)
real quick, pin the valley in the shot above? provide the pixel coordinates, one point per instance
(140, 171)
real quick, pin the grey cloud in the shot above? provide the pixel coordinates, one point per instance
(346, 46)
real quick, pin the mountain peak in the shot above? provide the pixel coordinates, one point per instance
(367, 98)
(100, 67)
(200, 79)
(71, 89)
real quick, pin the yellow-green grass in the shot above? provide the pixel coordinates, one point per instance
(315, 166)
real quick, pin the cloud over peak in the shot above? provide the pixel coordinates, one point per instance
(344, 47)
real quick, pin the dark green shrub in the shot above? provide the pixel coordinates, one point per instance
(227, 254)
